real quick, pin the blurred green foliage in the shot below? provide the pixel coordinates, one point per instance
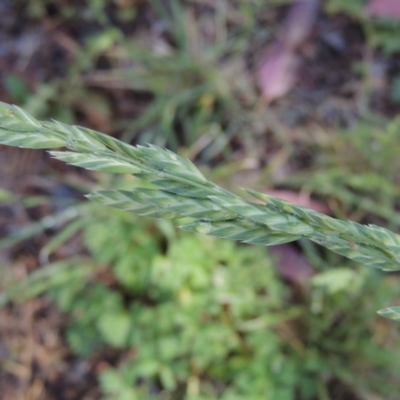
(380, 32)
(197, 318)
(353, 8)
(358, 169)
(189, 75)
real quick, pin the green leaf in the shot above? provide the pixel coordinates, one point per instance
(115, 328)
(391, 313)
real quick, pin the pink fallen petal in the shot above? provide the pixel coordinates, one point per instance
(290, 264)
(299, 22)
(277, 73)
(384, 8)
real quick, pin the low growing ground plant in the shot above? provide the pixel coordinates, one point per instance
(194, 317)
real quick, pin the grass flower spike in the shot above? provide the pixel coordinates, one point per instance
(180, 191)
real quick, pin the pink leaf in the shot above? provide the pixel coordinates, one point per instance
(290, 264)
(384, 8)
(277, 73)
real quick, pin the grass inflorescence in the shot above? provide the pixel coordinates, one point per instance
(180, 191)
